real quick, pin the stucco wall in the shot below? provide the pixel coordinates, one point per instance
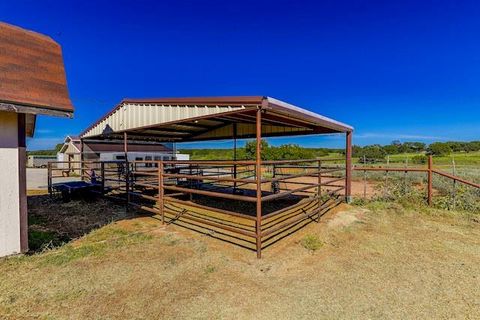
(9, 185)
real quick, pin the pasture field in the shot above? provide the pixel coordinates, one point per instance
(377, 261)
(460, 158)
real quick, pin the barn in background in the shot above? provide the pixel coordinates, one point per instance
(69, 154)
(32, 82)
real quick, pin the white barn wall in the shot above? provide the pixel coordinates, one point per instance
(10, 186)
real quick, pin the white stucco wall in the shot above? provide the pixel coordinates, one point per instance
(9, 185)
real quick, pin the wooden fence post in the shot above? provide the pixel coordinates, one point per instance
(430, 180)
(454, 197)
(364, 177)
(405, 177)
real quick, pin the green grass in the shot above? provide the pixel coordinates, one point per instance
(97, 243)
(311, 242)
(39, 239)
(461, 158)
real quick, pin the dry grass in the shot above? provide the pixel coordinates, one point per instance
(384, 262)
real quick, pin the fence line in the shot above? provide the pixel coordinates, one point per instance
(429, 170)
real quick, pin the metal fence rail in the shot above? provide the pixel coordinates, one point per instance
(298, 192)
(429, 170)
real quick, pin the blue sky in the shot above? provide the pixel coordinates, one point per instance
(395, 70)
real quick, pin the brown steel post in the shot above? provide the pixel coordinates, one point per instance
(191, 186)
(82, 157)
(319, 190)
(160, 191)
(127, 169)
(235, 156)
(348, 168)
(49, 178)
(22, 181)
(430, 180)
(102, 172)
(258, 170)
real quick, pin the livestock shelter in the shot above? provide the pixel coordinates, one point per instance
(252, 202)
(32, 82)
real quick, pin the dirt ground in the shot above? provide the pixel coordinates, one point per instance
(375, 262)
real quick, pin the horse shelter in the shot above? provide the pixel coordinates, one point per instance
(254, 202)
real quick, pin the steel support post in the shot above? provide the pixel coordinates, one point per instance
(348, 167)
(258, 170)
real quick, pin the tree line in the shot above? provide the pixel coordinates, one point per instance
(377, 151)
(295, 151)
(269, 152)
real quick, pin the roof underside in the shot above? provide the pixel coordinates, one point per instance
(32, 74)
(200, 119)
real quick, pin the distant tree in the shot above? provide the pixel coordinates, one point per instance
(373, 152)
(396, 143)
(420, 159)
(283, 152)
(251, 150)
(357, 151)
(415, 146)
(472, 146)
(323, 152)
(392, 149)
(439, 149)
(293, 152)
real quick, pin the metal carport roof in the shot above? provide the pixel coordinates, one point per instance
(213, 118)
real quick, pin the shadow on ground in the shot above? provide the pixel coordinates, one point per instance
(53, 222)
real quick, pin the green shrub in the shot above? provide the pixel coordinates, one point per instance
(311, 242)
(420, 159)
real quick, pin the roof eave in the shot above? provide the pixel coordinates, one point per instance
(31, 109)
(315, 118)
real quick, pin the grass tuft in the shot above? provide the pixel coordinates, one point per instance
(210, 269)
(311, 242)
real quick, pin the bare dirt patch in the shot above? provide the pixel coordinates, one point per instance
(385, 262)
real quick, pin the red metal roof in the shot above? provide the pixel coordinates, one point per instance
(31, 70)
(110, 147)
(202, 101)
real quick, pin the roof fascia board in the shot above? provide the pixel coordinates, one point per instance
(10, 107)
(312, 116)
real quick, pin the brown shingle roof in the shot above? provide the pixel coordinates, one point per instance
(31, 70)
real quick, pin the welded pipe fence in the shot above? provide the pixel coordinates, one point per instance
(285, 195)
(429, 171)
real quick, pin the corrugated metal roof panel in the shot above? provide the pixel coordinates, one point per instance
(131, 116)
(209, 119)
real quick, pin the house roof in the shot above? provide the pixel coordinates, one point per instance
(104, 146)
(208, 118)
(32, 74)
(99, 147)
